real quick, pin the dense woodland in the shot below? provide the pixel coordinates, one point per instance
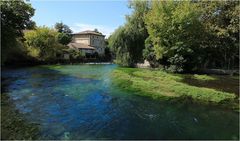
(177, 36)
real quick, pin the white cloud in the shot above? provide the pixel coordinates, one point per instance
(123, 16)
(78, 27)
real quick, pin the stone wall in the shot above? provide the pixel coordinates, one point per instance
(146, 64)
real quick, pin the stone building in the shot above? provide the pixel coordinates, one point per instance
(89, 42)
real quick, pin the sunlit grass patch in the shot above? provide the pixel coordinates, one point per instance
(156, 75)
(161, 84)
(53, 67)
(203, 77)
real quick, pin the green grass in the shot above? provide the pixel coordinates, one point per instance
(203, 77)
(159, 84)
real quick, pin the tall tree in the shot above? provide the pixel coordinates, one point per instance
(175, 33)
(42, 43)
(180, 35)
(62, 28)
(64, 36)
(128, 40)
(96, 30)
(221, 20)
(136, 29)
(118, 44)
(15, 17)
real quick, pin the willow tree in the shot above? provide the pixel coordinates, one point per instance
(128, 41)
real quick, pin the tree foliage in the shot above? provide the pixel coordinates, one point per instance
(15, 17)
(179, 35)
(128, 41)
(42, 43)
(64, 36)
(118, 43)
(175, 32)
(221, 21)
(96, 30)
(75, 54)
(62, 28)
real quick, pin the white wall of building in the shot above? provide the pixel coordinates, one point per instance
(84, 39)
(95, 41)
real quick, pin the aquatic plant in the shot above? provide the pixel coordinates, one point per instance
(161, 84)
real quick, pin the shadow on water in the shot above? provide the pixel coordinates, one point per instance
(80, 102)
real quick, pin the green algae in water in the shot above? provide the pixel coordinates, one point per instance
(81, 102)
(13, 124)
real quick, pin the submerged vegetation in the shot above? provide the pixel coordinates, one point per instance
(13, 124)
(159, 84)
(75, 102)
(173, 36)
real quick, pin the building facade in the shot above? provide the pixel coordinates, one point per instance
(89, 42)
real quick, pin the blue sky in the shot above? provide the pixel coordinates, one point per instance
(80, 15)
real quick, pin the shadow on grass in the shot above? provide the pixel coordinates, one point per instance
(223, 83)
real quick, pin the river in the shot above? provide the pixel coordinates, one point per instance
(81, 102)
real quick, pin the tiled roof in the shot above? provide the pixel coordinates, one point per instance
(80, 45)
(89, 32)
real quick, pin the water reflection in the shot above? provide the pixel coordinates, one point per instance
(79, 102)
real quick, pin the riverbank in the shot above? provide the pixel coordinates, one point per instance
(159, 84)
(56, 102)
(64, 62)
(13, 124)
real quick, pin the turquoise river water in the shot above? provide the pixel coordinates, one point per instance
(81, 102)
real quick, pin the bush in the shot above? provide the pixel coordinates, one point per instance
(42, 44)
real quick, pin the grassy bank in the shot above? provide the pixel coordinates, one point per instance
(159, 84)
(13, 125)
